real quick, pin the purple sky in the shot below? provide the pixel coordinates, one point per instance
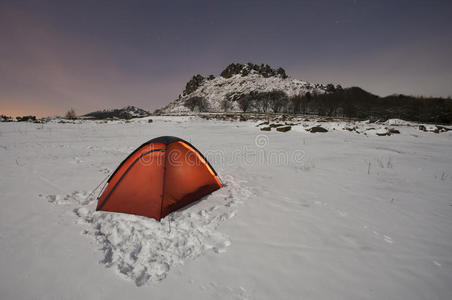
(91, 55)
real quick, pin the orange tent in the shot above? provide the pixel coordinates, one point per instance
(161, 176)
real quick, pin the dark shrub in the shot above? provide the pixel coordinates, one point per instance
(196, 104)
(70, 114)
(26, 118)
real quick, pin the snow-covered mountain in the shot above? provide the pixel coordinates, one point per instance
(235, 81)
(127, 112)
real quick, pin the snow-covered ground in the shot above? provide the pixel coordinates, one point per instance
(336, 215)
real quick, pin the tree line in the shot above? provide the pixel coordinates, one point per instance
(351, 102)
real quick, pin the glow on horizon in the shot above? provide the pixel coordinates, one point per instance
(28, 110)
(57, 55)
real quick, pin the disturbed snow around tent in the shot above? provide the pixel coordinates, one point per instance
(143, 249)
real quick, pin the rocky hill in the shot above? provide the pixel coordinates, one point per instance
(127, 112)
(238, 84)
(262, 89)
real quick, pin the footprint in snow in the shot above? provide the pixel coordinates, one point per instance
(341, 213)
(387, 239)
(142, 249)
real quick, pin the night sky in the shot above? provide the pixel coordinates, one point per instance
(91, 55)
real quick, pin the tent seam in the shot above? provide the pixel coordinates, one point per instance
(163, 184)
(125, 173)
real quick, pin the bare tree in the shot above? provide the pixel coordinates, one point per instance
(198, 103)
(226, 104)
(296, 103)
(277, 100)
(70, 114)
(264, 102)
(245, 103)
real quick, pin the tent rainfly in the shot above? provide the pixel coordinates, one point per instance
(159, 177)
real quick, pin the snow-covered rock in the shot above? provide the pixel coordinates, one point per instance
(126, 112)
(398, 122)
(216, 90)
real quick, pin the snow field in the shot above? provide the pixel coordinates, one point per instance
(358, 217)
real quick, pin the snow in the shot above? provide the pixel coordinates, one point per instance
(335, 215)
(215, 90)
(143, 249)
(398, 122)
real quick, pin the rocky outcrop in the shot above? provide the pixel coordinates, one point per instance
(195, 82)
(317, 129)
(284, 128)
(245, 69)
(242, 88)
(127, 112)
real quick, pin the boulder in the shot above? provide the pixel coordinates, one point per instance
(266, 128)
(245, 69)
(387, 133)
(442, 128)
(393, 131)
(263, 123)
(284, 128)
(437, 129)
(316, 129)
(193, 84)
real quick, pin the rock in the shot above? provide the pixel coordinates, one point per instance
(276, 125)
(437, 129)
(387, 133)
(263, 123)
(284, 128)
(316, 129)
(193, 84)
(442, 128)
(393, 131)
(150, 121)
(266, 128)
(326, 120)
(383, 132)
(245, 69)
